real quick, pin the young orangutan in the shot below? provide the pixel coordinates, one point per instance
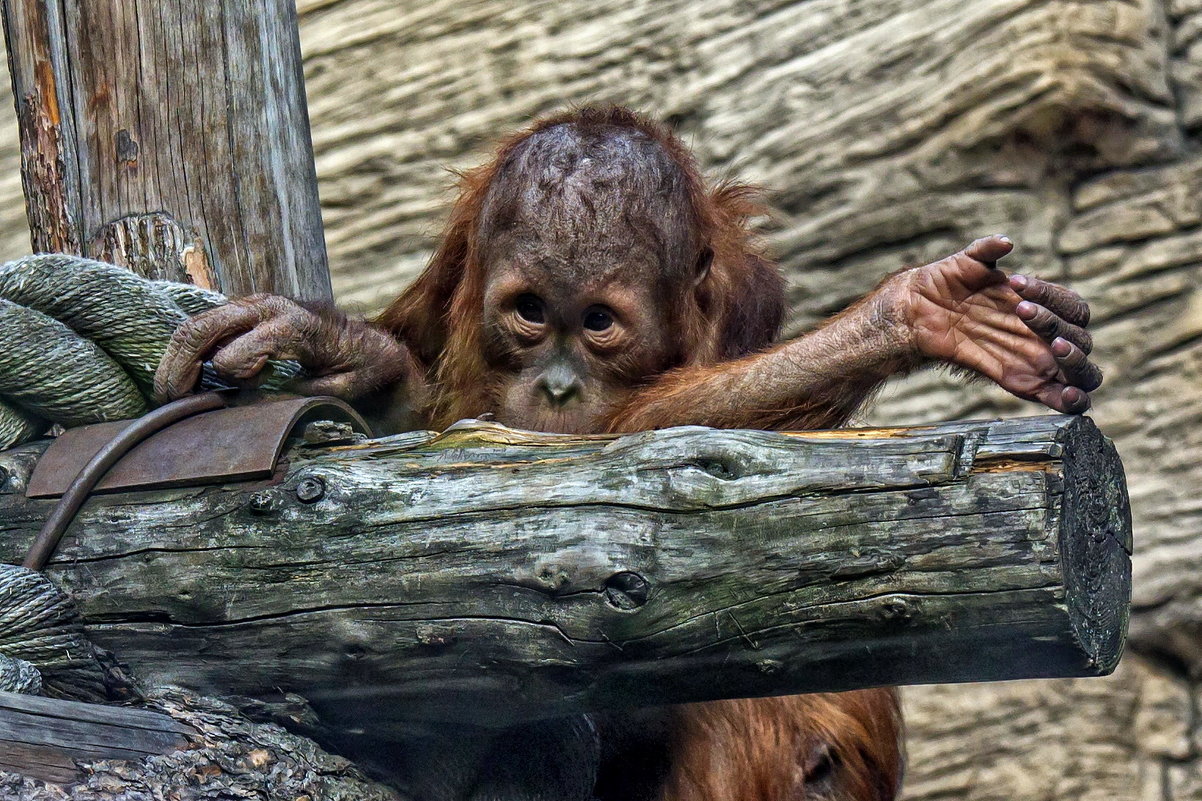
(588, 281)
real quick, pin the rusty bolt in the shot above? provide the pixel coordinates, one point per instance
(626, 590)
(310, 489)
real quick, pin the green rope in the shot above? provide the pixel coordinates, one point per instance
(19, 676)
(189, 297)
(81, 341)
(40, 626)
(18, 425)
(119, 311)
(48, 370)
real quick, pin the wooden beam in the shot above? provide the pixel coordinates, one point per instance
(490, 575)
(170, 137)
(45, 738)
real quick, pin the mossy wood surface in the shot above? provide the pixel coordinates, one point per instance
(491, 575)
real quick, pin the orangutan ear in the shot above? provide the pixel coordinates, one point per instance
(741, 292)
(755, 306)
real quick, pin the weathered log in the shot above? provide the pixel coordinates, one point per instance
(171, 138)
(91, 752)
(492, 575)
(45, 737)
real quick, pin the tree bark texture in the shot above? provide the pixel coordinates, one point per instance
(44, 737)
(169, 137)
(489, 576)
(226, 755)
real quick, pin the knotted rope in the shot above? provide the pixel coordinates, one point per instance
(81, 342)
(82, 339)
(42, 640)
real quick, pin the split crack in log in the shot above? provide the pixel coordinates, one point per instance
(489, 575)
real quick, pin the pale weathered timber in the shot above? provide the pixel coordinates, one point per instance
(489, 575)
(171, 138)
(45, 737)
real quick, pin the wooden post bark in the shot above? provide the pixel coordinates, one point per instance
(45, 737)
(170, 137)
(490, 576)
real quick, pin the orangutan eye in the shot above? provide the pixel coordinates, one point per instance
(597, 319)
(530, 309)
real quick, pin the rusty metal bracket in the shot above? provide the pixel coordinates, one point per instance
(238, 443)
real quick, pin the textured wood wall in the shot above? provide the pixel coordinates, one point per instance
(889, 132)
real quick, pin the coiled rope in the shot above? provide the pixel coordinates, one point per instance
(81, 340)
(79, 343)
(42, 644)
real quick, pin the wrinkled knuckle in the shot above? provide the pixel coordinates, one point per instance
(265, 305)
(190, 335)
(1046, 322)
(282, 305)
(304, 322)
(1038, 290)
(1086, 340)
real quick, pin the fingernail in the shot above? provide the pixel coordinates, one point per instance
(1025, 309)
(1019, 281)
(1005, 239)
(1060, 347)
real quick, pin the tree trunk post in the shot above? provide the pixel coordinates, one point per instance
(171, 138)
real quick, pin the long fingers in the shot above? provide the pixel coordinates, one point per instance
(1070, 345)
(1050, 326)
(244, 357)
(193, 341)
(1058, 316)
(1078, 370)
(1061, 301)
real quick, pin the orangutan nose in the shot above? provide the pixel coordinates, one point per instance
(559, 383)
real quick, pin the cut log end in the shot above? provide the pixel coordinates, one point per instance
(487, 575)
(1095, 543)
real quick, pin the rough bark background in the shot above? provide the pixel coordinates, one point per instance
(889, 132)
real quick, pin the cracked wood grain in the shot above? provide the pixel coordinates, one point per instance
(488, 575)
(44, 738)
(171, 138)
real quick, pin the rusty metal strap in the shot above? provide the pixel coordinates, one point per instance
(195, 440)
